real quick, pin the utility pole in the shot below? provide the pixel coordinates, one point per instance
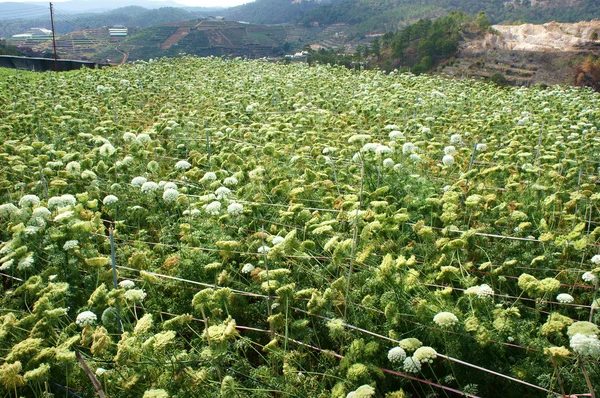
(53, 38)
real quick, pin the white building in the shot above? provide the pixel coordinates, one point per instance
(118, 31)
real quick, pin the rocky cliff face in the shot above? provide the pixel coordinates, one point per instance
(549, 37)
(528, 54)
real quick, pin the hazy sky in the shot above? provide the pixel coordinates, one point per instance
(194, 3)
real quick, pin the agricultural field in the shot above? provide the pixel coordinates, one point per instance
(204, 227)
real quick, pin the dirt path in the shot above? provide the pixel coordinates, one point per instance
(175, 37)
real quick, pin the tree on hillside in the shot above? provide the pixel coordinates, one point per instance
(587, 74)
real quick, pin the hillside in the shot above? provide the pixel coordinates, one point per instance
(368, 16)
(131, 16)
(203, 38)
(528, 54)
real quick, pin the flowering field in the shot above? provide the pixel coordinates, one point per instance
(280, 230)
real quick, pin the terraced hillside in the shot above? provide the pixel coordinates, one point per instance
(205, 37)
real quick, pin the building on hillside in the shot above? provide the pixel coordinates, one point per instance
(34, 32)
(118, 31)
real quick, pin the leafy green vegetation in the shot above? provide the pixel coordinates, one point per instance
(424, 44)
(295, 230)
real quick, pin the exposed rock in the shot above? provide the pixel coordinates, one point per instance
(552, 36)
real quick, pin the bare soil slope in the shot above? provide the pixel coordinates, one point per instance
(528, 53)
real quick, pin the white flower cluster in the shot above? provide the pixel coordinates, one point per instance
(86, 318)
(213, 208)
(412, 365)
(396, 135)
(182, 165)
(263, 249)
(482, 291)
(61, 201)
(127, 284)
(277, 240)
(596, 259)
(138, 181)
(29, 201)
(109, 200)
(396, 355)
(455, 139)
(445, 319)
(230, 181)
(448, 160)
(208, 177)
(408, 148)
(70, 244)
(135, 295)
(388, 163)
(235, 209)
(425, 354)
(587, 346)
(565, 298)
(589, 277)
(170, 195)
(149, 186)
(73, 168)
(107, 150)
(222, 193)
(247, 268)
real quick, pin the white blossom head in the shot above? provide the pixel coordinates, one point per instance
(587, 346)
(425, 354)
(247, 268)
(450, 150)
(396, 355)
(223, 193)
(170, 195)
(182, 165)
(230, 181)
(235, 209)
(109, 200)
(565, 298)
(149, 186)
(445, 319)
(408, 148)
(135, 295)
(213, 208)
(589, 277)
(263, 249)
(448, 160)
(29, 201)
(455, 139)
(127, 284)
(138, 181)
(209, 176)
(411, 365)
(388, 163)
(169, 185)
(596, 259)
(70, 244)
(86, 318)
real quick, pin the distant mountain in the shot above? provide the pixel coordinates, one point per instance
(368, 16)
(273, 11)
(81, 6)
(132, 16)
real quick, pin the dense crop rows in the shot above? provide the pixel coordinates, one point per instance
(295, 231)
